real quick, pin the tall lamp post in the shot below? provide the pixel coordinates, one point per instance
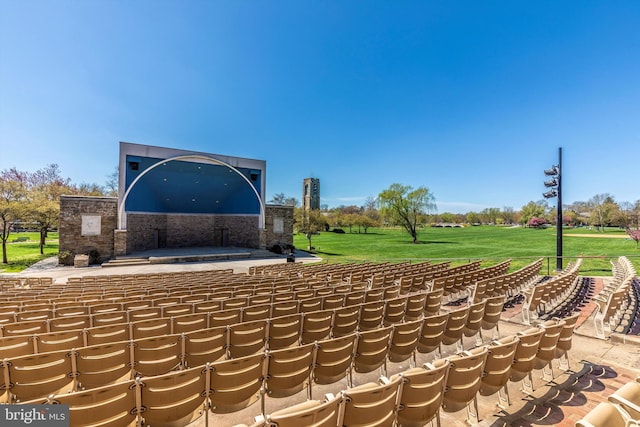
(555, 186)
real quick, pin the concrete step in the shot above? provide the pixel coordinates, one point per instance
(126, 261)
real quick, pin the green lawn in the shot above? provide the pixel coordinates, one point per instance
(489, 243)
(21, 254)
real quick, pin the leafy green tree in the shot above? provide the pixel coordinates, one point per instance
(602, 208)
(532, 210)
(365, 222)
(45, 186)
(403, 205)
(309, 222)
(13, 195)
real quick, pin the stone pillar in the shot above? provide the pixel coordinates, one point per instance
(120, 242)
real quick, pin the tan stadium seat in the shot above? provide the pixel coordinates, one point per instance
(144, 314)
(564, 341)
(433, 303)
(157, 355)
(225, 317)
(112, 405)
(289, 370)
(111, 318)
(236, 383)
(207, 306)
(106, 334)
(371, 315)
(205, 345)
(547, 347)
(464, 381)
(371, 404)
(247, 338)
(177, 309)
(414, 308)
(24, 328)
(404, 341)
(103, 364)
(333, 359)
(316, 326)
(186, 323)
(473, 325)
(175, 399)
(56, 341)
(372, 348)
(256, 312)
(394, 310)
(524, 359)
(311, 304)
(455, 327)
(498, 368)
(345, 321)
(150, 328)
(628, 397)
(38, 375)
(312, 413)
(284, 331)
(492, 314)
(284, 308)
(422, 393)
(432, 332)
(68, 323)
(605, 415)
(14, 346)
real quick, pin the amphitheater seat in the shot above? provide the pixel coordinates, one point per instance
(498, 368)
(464, 381)
(312, 413)
(372, 348)
(432, 332)
(422, 393)
(605, 415)
(371, 404)
(236, 383)
(174, 399)
(205, 345)
(289, 370)
(333, 359)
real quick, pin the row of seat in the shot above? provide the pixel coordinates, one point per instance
(200, 301)
(34, 375)
(621, 409)
(457, 283)
(508, 284)
(65, 333)
(542, 297)
(412, 397)
(239, 308)
(610, 301)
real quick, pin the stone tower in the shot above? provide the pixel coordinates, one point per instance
(311, 193)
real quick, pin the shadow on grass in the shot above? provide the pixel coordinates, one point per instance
(429, 242)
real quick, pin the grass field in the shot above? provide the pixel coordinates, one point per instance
(493, 244)
(22, 254)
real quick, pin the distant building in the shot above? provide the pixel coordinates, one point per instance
(311, 194)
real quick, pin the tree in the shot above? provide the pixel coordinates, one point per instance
(309, 222)
(111, 186)
(45, 186)
(635, 235)
(402, 205)
(13, 194)
(602, 207)
(531, 210)
(365, 222)
(281, 199)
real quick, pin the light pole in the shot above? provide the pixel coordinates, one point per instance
(555, 185)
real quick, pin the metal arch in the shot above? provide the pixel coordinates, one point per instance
(189, 157)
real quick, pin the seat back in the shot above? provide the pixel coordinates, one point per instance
(312, 413)
(498, 366)
(422, 393)
(289, 370)
(432, 332)
(371, 404)
(236, 383)
(175, 399)
(372, 348)
(247, 338)
(523, 360)
(284, 331)
(333, 359)
(404, 340)
(464, 379)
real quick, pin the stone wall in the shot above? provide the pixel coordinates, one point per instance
(86, 227)
(278, 226)
(150, 231)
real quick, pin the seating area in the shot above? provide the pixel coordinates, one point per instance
(166, 349)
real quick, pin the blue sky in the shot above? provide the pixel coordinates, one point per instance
(471, 99)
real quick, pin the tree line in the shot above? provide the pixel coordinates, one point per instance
(32, 200)
(413, 209)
